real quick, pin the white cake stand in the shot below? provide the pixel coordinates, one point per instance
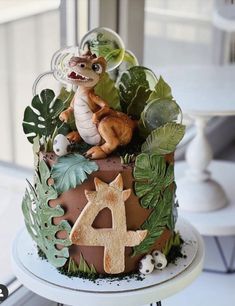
(202, 92)
(218, 223)
(83, 292)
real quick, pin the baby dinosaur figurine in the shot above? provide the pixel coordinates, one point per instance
(97, 124)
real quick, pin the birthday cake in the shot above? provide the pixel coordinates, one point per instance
(102, 201)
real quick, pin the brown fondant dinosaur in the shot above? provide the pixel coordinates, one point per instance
(97, 124)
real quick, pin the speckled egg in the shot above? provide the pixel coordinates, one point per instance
(146, 264)
(61, 145)
(160, 261)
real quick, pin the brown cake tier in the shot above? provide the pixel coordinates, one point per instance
(73, 201)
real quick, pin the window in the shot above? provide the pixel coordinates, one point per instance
(178, 33)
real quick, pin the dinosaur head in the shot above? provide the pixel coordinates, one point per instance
(86, 70)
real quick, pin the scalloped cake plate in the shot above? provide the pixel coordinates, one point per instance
(26, 251)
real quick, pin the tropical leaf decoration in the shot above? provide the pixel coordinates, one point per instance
(106, 90)
(66, 96)
(152, 175)
(164, 139)
(43, 117)
(137, 104)
(160, 218)
(39, 218)
(71, 170)
(129, 82)
(161, 91)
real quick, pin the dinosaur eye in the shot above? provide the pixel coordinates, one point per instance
(82, 65)
(97, 68)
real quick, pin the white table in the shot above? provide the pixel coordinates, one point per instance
(145, 295)
(202, 92)
(220, 222)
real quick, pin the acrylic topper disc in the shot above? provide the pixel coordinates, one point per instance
(60, 63)
(105, 42)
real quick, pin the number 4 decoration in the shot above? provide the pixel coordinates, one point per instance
(113, 239)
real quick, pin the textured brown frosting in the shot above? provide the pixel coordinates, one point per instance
(73, 201)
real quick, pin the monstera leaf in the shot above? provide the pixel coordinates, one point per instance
(71, 170)
(129, 82)
(152, 175)
(42, 118)
(106, 90)
(137, 104)
(39, 218)
(161, 91)
(160, 218)
(164, 139)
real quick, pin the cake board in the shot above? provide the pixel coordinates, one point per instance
(43, 279)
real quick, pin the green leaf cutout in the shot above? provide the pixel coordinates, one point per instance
(71, 170)
(39, 218)
(42, 118)
(161, 91)
(138, 103)
(129, 82)
(164, 139)
(106, 90)
(160, 218)
(152, 175)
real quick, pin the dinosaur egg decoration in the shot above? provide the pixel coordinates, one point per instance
(61, 145)
(160, 261)
(146, 264)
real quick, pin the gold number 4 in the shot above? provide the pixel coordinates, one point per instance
(113, 239)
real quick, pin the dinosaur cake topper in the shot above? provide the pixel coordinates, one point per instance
(97, 124)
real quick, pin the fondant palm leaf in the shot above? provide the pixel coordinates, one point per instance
(164, 139)
(152, 175)
(39, 218)
(42, 118)
(71, 170)
(160, 218)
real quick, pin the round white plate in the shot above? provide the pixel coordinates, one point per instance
(27, 254)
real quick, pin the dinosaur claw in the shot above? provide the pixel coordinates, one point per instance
(95, 153)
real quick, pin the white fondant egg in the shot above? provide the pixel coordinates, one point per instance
(146, 264)
(159, 259)
(61, 145)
